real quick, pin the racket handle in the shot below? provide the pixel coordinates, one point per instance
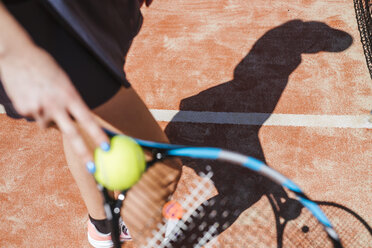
(115, 226)
(115, 231)
(112, 214)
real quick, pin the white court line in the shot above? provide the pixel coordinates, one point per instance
(264, 119)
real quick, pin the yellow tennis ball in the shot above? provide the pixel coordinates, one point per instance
(120, 167)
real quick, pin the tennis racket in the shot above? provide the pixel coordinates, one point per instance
(199, 216)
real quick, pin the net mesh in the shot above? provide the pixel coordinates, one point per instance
(363, 11)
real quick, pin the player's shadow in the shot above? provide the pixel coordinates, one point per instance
(258, 82)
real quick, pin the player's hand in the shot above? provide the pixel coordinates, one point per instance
(148, 2)
(40, 89)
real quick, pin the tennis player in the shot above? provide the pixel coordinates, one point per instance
(61, 62)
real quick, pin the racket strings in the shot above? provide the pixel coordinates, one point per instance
(252, 228)
(196, 211)
(144, 202)
(214, 220)
(306, 231)
(207, 217)
(197, 191)
(295, 225)
(354, 231)
(262, 225)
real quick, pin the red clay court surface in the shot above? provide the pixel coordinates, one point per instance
(300, 61)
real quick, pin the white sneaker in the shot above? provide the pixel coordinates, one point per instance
(101, 240)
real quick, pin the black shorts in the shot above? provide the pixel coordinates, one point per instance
(94, 81)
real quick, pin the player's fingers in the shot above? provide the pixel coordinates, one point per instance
(148, 3)
(41, 120)
(141, 2)
(85, 118)
(70, 130)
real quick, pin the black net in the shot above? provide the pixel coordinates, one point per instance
(363, 11)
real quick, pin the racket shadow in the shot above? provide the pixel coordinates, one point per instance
(305, 231)
(259, 80)
(353, 229)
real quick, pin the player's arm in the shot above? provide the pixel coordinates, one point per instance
(40, 89)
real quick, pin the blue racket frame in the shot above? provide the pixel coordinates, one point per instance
(162, 151)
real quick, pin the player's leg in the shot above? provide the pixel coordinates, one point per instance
(126, 112)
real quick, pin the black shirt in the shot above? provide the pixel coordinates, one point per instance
(106, 28)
